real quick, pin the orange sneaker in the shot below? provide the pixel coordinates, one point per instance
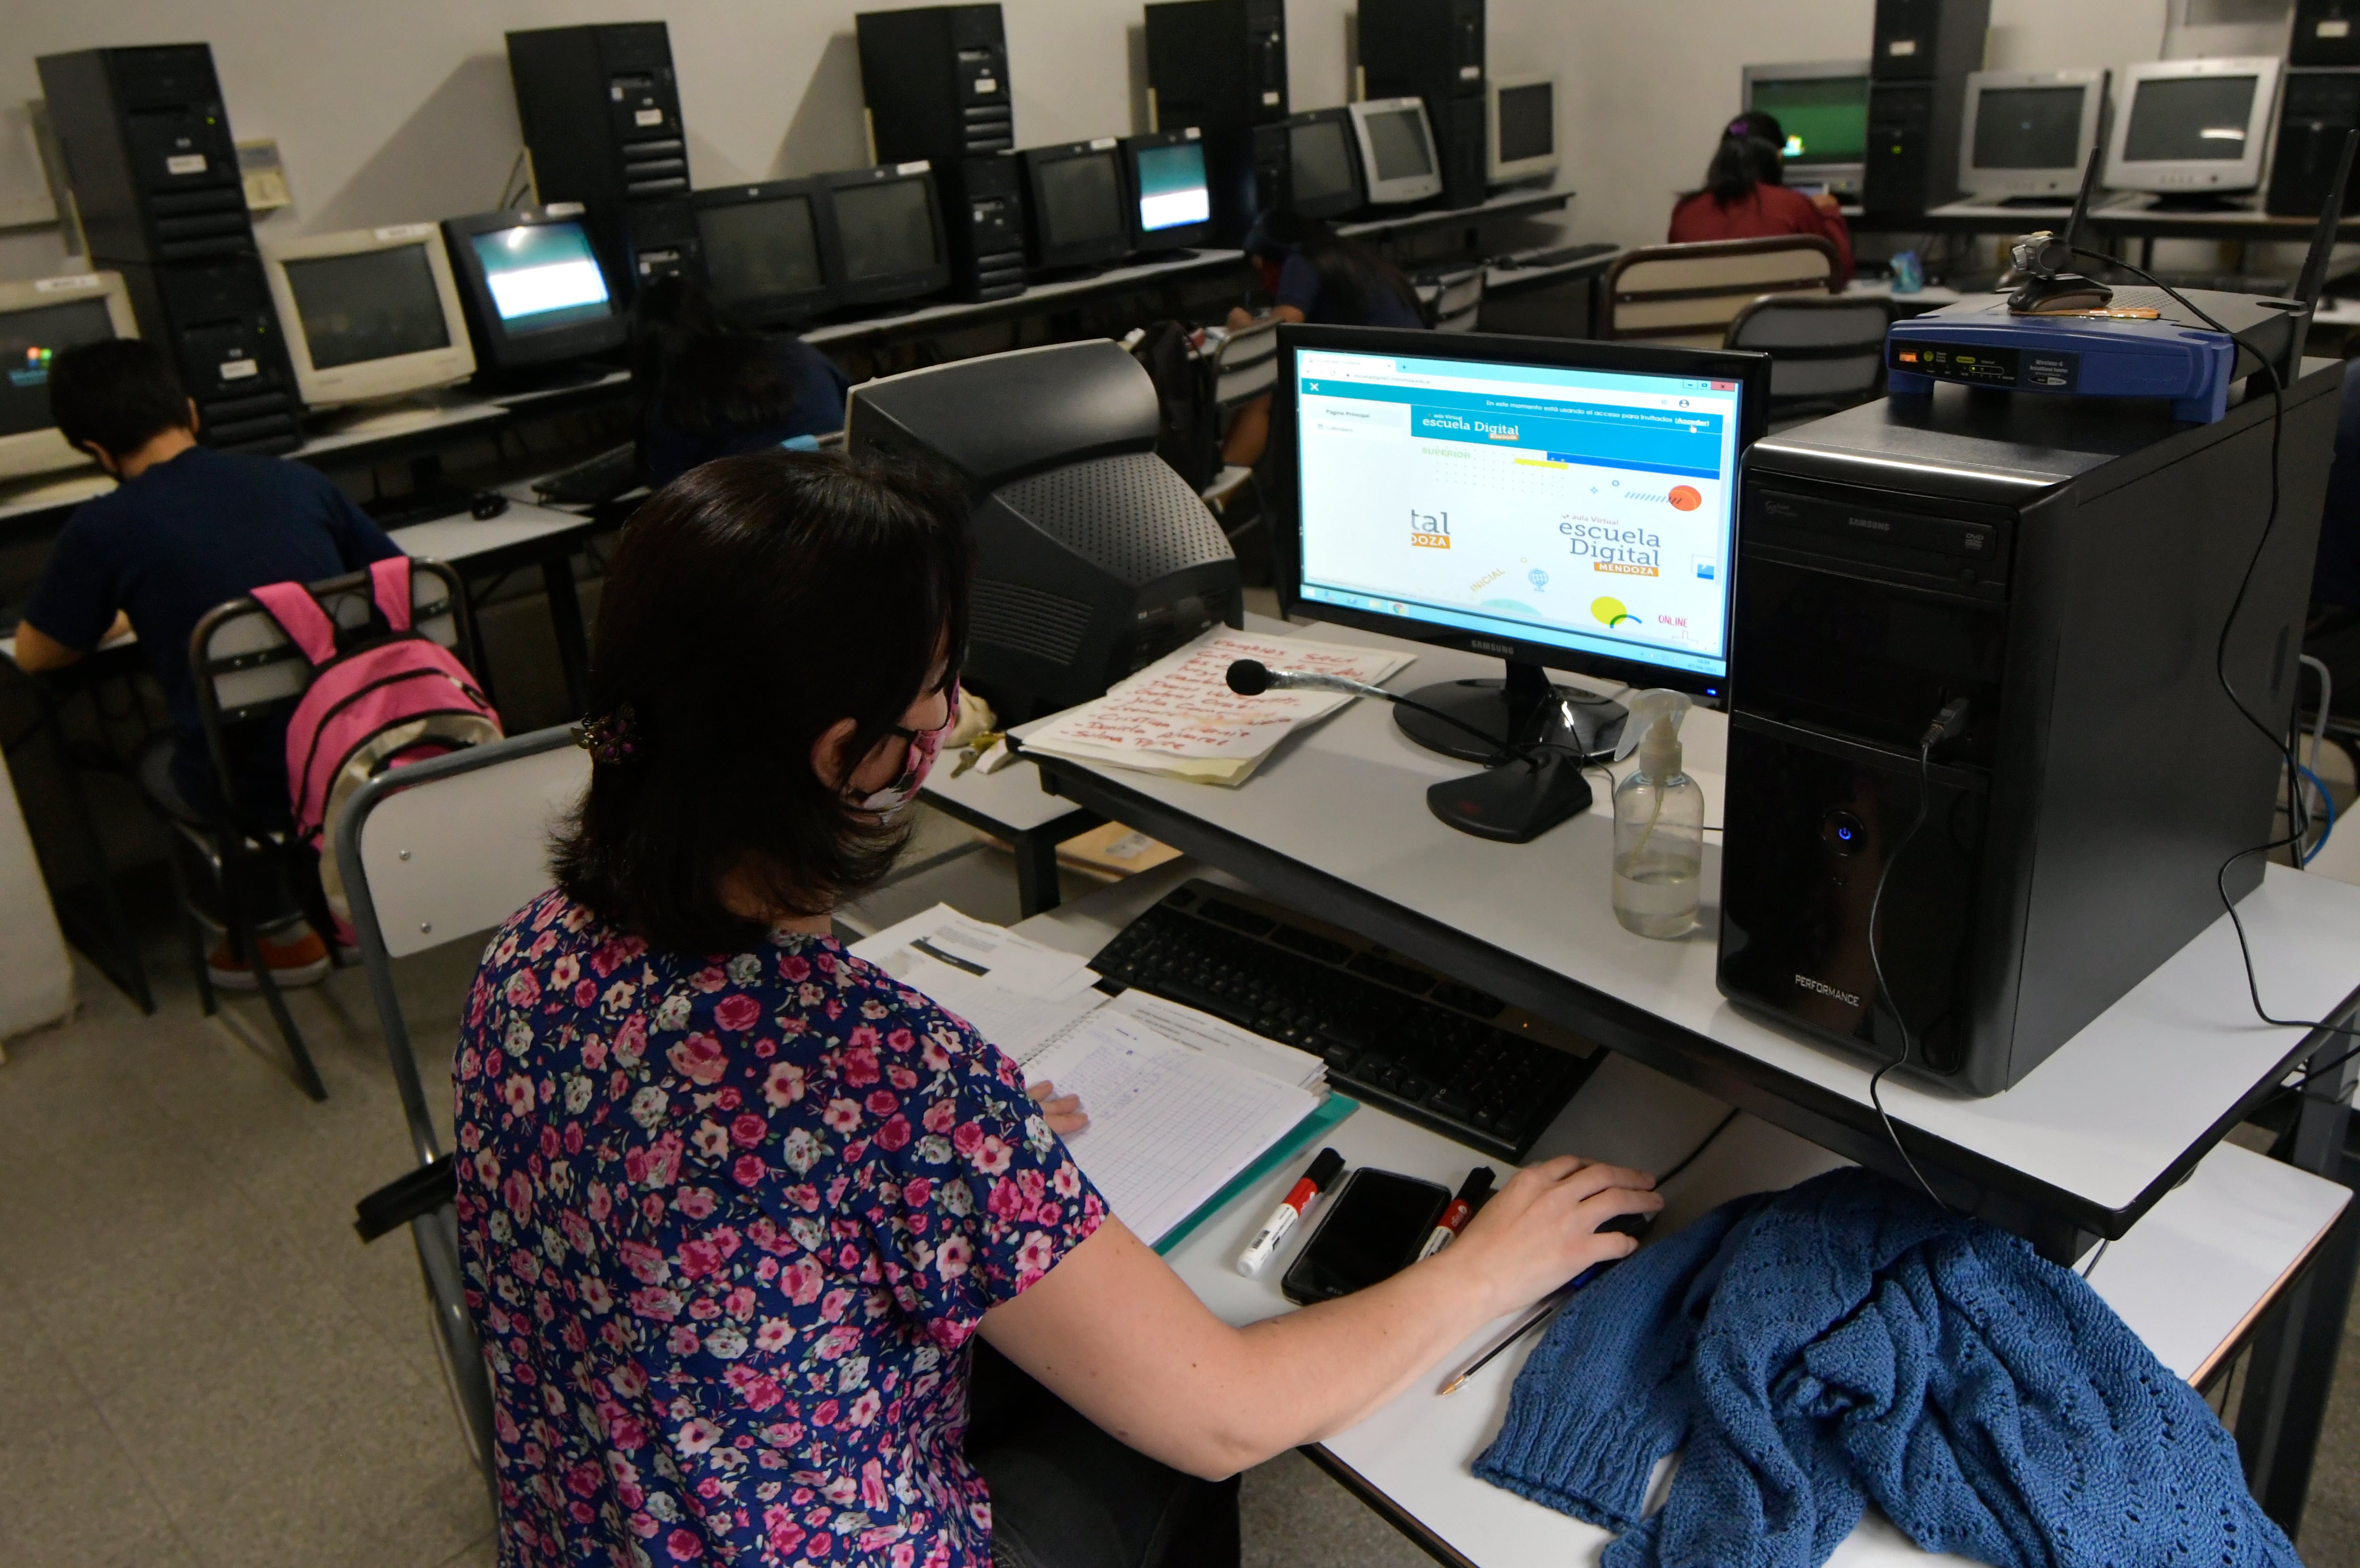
(301, 962)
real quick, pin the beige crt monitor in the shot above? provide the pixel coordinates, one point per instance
(36, 320)
(369, 314)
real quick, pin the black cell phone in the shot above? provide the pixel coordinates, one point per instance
(1379, 1221)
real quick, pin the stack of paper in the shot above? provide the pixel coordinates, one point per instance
(1179, 717)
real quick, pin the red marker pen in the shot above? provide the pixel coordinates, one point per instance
(1472, 1194)
(1284, 1219)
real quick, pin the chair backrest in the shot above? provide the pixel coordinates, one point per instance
(445, 850)
(1823, 348)
(1246, 365)
(1451, 300)
(1687, 294)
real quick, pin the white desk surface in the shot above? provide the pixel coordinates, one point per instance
(1114, 279)
(438, 417)
(53, 492)
(1013, 797)
(1499, 203)
(455, 539)
(1930, 296)
(2102, 1119)
(2186, 1278)
(543, 394)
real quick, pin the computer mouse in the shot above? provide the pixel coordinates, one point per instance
(484, 505)
(1636, 1226)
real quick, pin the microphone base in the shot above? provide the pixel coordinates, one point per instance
(1524, 709)
(1514, 803)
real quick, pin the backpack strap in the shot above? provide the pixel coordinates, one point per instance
(389, 582)
(300, 616)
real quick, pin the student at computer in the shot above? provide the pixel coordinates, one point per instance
(188, 528)
(1313, 274)
(1745, 195)
(708, 387)
(747, 1202)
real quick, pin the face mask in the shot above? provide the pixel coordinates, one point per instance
(920, 761)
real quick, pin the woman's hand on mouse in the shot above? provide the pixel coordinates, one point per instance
(1541, 1229)
(1064, 1112)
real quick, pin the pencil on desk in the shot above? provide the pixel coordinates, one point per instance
(1541, 1314)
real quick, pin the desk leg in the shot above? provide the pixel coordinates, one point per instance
(1036, 873)
(566, 616)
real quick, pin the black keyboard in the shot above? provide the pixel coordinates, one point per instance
(1394, 1033)
(600, 478)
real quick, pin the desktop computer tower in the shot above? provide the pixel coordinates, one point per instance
(2316, 110)
(983, 212)
(935, 80)
(2066, 565)
(148, 148)
(2326, 32)
(1220, 66)
(600, 109)
(1923, 52)
(1434, 50)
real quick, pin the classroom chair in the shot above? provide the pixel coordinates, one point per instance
(1826, 352)
(1245, 367)
(247, 673)
(434, 853)
(1452, 300)
(1686, 295)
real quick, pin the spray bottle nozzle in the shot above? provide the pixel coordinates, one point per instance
(1651, 711)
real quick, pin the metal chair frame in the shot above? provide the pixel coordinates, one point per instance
(1705, 295)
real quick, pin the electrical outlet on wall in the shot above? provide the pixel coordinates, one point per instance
(266, 177)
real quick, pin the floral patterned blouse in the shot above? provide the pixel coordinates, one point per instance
(727, 1226)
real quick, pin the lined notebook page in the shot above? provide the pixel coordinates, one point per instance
(1170, 1125)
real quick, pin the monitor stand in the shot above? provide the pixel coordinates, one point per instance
(1524, 707)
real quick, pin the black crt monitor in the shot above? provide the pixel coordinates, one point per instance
(1556, 503)
(1171, 193)
(765, 260)
(1075, 203)
(882, 234)
(534, 289)
(1324, 164)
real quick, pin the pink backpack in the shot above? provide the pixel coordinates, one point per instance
(386, 698)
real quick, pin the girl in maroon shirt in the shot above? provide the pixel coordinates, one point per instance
(1745, 197)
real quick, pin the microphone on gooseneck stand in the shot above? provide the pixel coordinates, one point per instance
(1512, 804)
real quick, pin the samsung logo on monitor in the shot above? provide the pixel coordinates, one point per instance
(1500, 650)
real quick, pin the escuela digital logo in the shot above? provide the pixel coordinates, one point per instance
(1612, 612)
(1429, 530)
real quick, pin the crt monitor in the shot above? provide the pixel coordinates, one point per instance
(39, 319)
(1560, 504)
(1323, 164)
(764, 261)
(1074, 203)
(2193, 128)
(2029, 134)
(1822, 106)
(534, 289)
(1523, 128)
(370, 314)
(1171, 197)
(883, 233)
(1396, 150)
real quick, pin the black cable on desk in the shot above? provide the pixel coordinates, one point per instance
(1718, 1128)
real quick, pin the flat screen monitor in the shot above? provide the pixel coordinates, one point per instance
(1076, 214)
(39, 319)
(1171, 195)
(763, 257)
(1396, 150)
(1523, 127)
(2029, 133)
(883, 233)
(1323, 164)
(534, 289)
(369, 314)
(1822, 106)
(2193, 126)
(1562, 504)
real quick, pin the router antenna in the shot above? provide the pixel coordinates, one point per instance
(2078, 225)
(2331, 214)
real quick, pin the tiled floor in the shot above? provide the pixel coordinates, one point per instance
(202, 1367)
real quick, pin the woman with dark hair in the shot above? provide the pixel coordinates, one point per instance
(707, 387)
(1745, 195)
(1313, 274)
(735, 1205)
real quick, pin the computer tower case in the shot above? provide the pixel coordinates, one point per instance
(2315, 113)
(2326, 32)
(1924, 40)
(1434, 50)
(600, 109)
(1093, 557)
(1220, 66)
(983, 212)
(935, 80)
(148, 151)
(2066, 565)
(1923, 53)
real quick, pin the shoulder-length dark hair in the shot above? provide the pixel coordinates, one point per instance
(697, 369)
(753, 603)
(1353, 275)
(1749, 155)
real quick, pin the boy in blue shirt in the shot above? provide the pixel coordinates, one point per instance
(187, 529)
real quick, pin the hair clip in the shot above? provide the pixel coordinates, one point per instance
(612, 738)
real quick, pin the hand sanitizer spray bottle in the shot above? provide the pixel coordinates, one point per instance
(1658, 824)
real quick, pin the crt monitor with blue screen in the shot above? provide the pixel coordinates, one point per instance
(1558, 504)
(533, 287)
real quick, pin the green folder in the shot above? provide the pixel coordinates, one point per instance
(1309, 1130)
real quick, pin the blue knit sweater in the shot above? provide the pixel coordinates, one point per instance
(1846, 1342)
